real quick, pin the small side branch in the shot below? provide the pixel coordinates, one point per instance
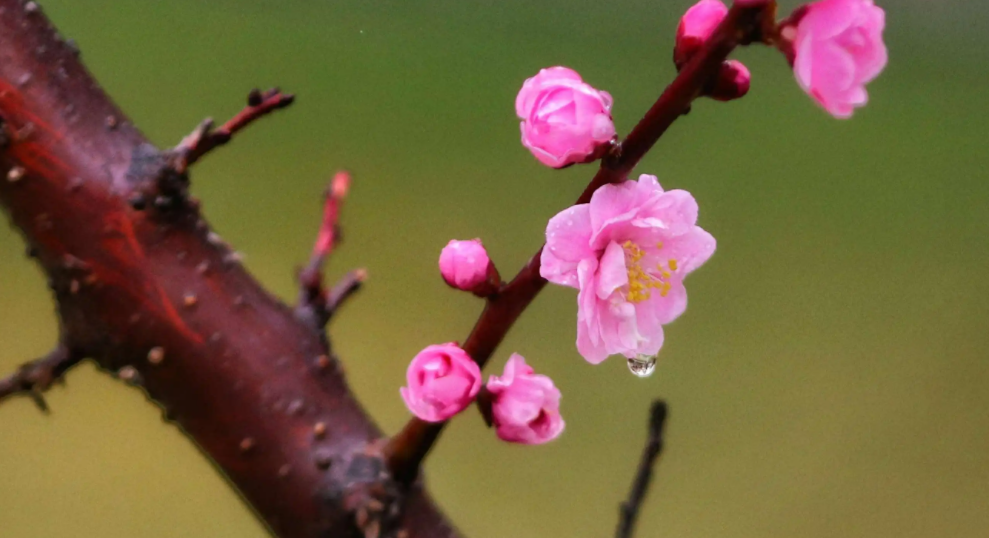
(205, 138)
(316, 302)
(35, 377)
(654, 446)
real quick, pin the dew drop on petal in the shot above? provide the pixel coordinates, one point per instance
(642, 366)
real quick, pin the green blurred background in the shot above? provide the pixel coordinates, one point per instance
(829, 378)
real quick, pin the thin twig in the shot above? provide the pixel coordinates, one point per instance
(314, 300)
(35, 377)
(743, 25)
(640, 486)
(344, 289)
(204, 139)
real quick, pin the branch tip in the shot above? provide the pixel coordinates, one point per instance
(629, 510)
(205, 138)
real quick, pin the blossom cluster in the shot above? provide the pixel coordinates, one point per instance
(628, 250)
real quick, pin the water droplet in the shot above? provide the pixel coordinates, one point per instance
(642, 366)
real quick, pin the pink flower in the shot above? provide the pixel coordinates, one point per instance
(525, 406)
(838, 49)
(564, 120)
(696, 26)
(443, 380)
(628, 252)
(465, 265)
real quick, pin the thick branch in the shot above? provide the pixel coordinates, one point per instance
(34, 377)
(742, 25)
(640, 486)
(150, 290)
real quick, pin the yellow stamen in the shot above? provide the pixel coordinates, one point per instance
(641, 283)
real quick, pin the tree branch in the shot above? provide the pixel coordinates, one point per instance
(205, 139)
(744, 24)
(35, 377)
(148, 290)
(629, 511)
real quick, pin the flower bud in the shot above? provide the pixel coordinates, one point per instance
(442, 381)
(696, 26)
(525, 406)
(465, 266)
(564, 120)
(732, 83)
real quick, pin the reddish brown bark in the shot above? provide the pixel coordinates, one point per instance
(145, 289)
(134, 268)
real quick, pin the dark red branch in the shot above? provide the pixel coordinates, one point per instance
(629, 510)
(742, 25)
(204, 139)
(146, 289)
(33, 378)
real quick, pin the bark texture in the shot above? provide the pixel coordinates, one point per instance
(145, 289)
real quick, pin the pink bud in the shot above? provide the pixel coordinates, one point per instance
(696, 26)
(525, 406)
(465, 265)
(837, 48)
(564, 120)
(443, 380)
(733, 81)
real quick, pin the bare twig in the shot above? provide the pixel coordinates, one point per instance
(743, 25)
(629, 510)
(35, 377)
(344, 289)
(314, 300)
(204, 139)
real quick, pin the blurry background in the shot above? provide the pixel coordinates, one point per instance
(829, 378)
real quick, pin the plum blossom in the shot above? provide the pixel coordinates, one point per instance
(442, 381)
(838, 48)
(564, 120)
(627, 251)
(695, 27)
(465, 266)
(525, 406)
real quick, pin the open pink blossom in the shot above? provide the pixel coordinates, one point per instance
(838, 49)
(525, 406)
(695, 27)
(465, 265)
(627, 251)
(443, 380)
(564, 120)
